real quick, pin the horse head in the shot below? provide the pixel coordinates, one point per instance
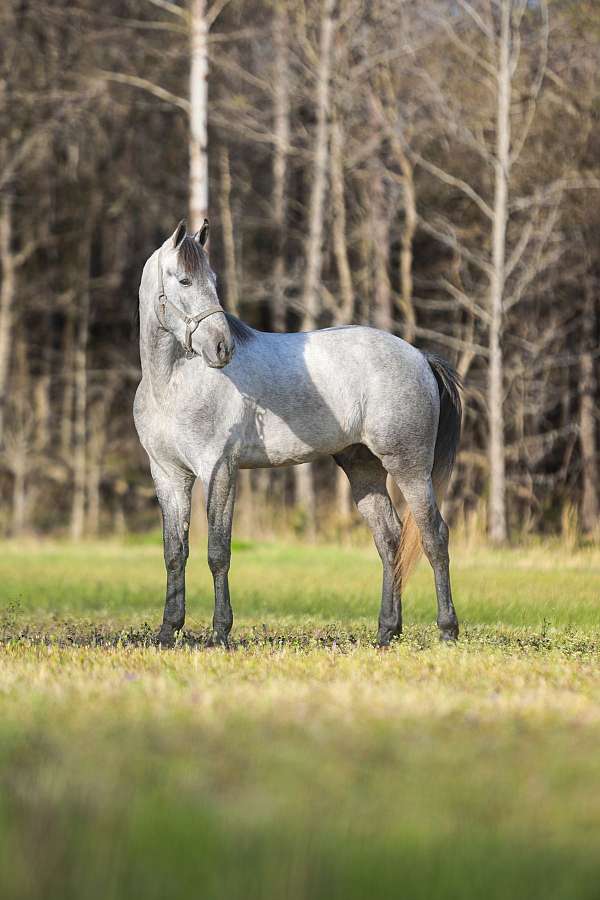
(188, 305)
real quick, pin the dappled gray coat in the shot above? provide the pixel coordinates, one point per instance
(216, 396)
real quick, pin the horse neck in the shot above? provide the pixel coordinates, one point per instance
(159, 352)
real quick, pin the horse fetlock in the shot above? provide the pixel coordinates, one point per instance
(174, 616)
(223, 622)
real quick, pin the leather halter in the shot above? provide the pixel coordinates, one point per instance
(190, 322)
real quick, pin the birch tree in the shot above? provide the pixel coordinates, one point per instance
(318, 173)
(80, 386)
(194, 22)
(588, 406)
(7, 297)
(305, 492)
(281, 128)
(198, 114)
(507, 60)
(490, 41)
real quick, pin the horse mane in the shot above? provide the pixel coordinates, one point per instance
(242, 333)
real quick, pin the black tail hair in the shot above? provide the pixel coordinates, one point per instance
(446, 445)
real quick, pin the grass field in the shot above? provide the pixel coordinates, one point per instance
(304, 763)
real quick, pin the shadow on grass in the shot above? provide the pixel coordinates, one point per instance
(80, 633)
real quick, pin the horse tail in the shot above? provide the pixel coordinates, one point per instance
(446, 444)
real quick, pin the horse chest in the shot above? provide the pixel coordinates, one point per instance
(172, 428)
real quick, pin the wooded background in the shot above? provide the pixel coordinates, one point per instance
(430, 168)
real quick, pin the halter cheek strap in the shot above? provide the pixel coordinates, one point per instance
(190, 322)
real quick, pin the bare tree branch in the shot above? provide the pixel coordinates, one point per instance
(148, 86)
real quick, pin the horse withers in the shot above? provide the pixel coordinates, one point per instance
(217, 396)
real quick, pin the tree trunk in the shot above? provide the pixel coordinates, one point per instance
(590, 506)
(232, 293)
(497, 500)
(305, 497)
(96, 446)
(119, 519)
(7, 299)
(80, 387)
(282, 140)
(305, 491)
(406, 250)
(66, 422)
(43, 410)
(267, 481)
(19, 497)
(198, 150)
(345, 311)
(363, 274)
(19, 455)
(94, 476)
(314, 246)
(383, 307)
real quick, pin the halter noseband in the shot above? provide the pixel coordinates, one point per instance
(190, 322)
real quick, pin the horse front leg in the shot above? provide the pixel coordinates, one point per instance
(220, 500)
(174, 492)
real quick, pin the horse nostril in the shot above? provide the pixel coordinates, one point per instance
(224, 351)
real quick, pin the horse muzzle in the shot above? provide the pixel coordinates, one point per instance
(218, 352)
(223, 355)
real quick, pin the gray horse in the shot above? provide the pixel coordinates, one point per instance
(374, 403)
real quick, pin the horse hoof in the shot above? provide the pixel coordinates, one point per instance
(166, 637)
(218, 640)
(449, 636)
(386, 638)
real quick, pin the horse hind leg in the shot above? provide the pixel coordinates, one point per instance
(368, 485)
(420, 497)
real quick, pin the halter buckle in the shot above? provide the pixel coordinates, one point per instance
(162, 302)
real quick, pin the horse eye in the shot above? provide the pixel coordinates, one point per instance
(185, 281)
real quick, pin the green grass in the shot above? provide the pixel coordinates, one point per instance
(304, 763)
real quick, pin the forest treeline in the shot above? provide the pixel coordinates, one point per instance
(429, 167)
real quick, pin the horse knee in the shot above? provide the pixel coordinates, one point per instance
(219, 556)
(176, 558)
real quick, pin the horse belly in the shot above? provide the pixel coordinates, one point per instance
(302, 437)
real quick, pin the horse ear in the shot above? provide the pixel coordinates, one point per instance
(201, 236)
(178, 235)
